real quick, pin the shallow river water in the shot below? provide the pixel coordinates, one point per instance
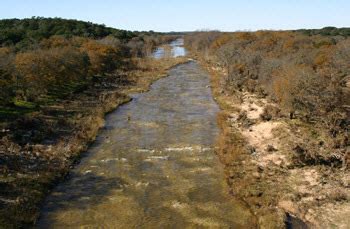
(152, 166)
(177, 49)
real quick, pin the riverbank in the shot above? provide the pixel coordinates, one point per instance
(28, 170)
(259, 149)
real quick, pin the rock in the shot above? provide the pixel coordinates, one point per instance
(260, 169)
(252, 150)
(231, 174)
(87, 172)
(320, 197)
(288, 206)
(299, 149)
(271, 148)
(256, 175)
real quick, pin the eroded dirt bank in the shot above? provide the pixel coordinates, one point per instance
(259, 149)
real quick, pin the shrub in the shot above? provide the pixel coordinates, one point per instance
(270, 112)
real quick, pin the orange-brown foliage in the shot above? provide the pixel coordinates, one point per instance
(221, 40)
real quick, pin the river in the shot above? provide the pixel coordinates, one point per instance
(153, 164)
(176, 50)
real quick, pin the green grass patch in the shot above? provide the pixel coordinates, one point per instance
(25, 104)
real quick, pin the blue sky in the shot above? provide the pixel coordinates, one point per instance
(185, 15)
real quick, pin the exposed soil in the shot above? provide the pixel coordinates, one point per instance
(260, 157)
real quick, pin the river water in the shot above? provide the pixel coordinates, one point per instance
(152, 165)
(177, 49)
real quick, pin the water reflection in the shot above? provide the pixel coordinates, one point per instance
(176, 49)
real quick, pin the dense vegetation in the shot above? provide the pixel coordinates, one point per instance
(326, 31)
(28, 32)
(308, 76)
(42, 59)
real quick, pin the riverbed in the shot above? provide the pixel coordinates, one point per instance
(153, 164)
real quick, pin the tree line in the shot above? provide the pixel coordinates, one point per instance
(39, 56)
(326, 31)
(24, 33)
(307, 75)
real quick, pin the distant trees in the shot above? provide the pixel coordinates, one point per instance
(306, 73)
(302, 73)
(7, 81)
(61, 61)
(26, 33)
(42, 55)
(40, 70)
(326, 31)
(103, 58)
(202, 41)
(135, 46)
